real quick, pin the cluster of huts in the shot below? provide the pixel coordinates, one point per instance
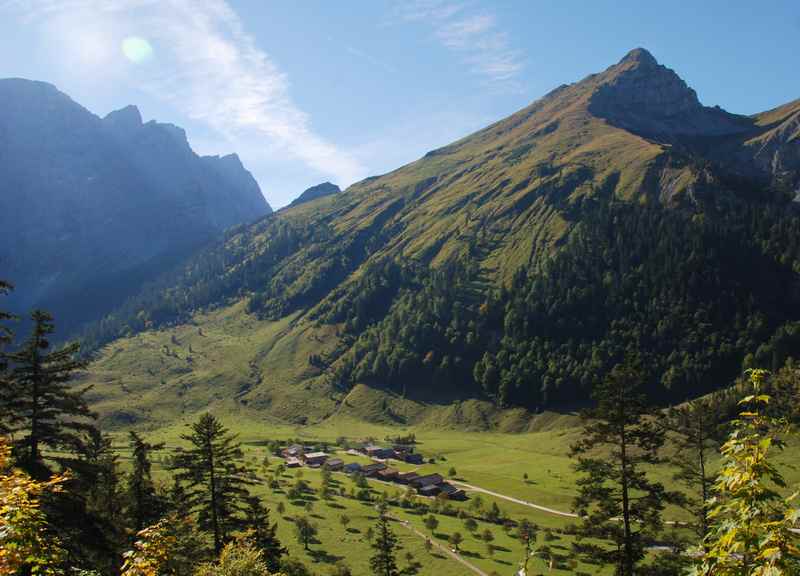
(425, 484)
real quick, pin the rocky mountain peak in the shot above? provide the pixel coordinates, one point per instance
(318, 191)
(125, 119)
(647, 98)
(641, 57)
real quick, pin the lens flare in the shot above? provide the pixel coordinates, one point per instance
(137, 49)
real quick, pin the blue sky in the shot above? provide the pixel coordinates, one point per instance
(340, 90)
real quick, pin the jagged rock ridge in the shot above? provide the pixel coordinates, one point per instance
(91, 207)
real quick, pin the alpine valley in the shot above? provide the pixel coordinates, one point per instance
(492, 283)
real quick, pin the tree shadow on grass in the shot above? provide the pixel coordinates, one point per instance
(335, 505)
(324, 556)
(470, 554)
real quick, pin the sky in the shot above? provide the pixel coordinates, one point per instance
(318, 90)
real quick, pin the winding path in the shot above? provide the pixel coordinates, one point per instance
(472, 488)
(455, 556)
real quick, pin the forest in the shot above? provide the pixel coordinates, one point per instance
(68, 504)
(700, 294)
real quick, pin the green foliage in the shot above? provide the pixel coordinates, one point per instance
(751, 532)
(144, 505)
(168, 548)
(238, 558)
(305, 530)
(27, 542)
(697, 429)
(39, 406)
(215, 477)
(383, 562)
(263, 535)
(619, 506)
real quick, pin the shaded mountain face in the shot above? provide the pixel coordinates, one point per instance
(92, 207)
(318, 191)
(520, 263)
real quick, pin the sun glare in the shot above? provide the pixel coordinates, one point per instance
(137, 49)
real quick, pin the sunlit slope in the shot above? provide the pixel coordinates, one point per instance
(254, 325)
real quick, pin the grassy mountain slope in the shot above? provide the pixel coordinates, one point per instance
(508, 269)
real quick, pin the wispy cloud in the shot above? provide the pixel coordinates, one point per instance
(371, 59)
(209, 68)
(474, 34)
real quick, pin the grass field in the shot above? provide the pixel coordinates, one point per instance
(494, 461)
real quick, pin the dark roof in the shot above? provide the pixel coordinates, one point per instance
(429, 489)
(353, 466)
(334, 462)
(373, 467)
(408, 476)
(428, 480)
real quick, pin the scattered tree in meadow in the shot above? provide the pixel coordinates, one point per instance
(617, 502)
(344, 520)
(526, 532)
(216, 480)
(369, 534)
(383, 562)
(751, 521)
(305, 530)
(455, 540)
(431, 523)
(470, 524)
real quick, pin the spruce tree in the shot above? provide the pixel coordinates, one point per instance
(145, 507)
(616, 501)
(697, 435)
(263, 534)
(383, 562)
(42, 409)
(215, 479)
(6, 335)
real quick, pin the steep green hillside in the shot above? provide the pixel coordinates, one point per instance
(509, 269)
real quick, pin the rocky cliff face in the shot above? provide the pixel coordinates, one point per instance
(91, 207)
(642, 96)
(318, 191)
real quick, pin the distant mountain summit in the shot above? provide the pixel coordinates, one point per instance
(641, 95)
(90, 208)
(318, 191)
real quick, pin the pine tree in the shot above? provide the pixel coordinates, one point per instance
(383, 562)
(42, 409)
(616, 501)
(145, 507)
(697, 435)
(6, 335)
(215, 478)
(263, 534)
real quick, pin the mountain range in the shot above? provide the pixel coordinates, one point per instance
(494, 278)
(93, 207)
